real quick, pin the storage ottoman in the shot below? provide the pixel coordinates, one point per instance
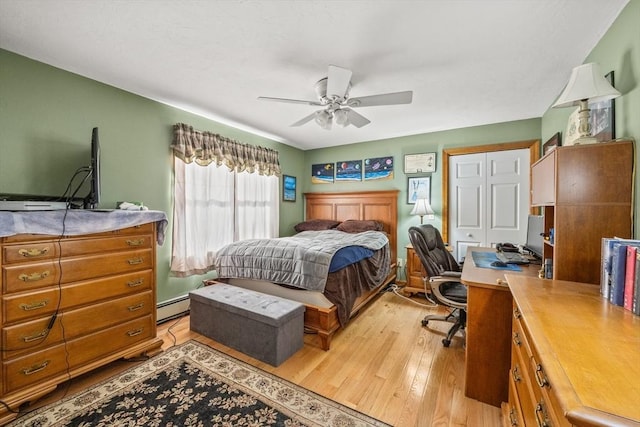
(265, 327)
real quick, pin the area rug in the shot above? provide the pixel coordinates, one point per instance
(195, 385)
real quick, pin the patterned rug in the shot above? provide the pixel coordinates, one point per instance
(195, 385)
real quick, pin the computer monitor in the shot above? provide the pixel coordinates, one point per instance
(535, 235)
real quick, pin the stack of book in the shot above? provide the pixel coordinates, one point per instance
(620, 272)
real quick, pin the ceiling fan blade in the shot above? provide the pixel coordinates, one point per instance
(338, 81)
(394, 98)
(290, 101)
(305, 119)
(358, 120)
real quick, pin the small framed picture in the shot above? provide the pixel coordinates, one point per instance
(420, 163)
(602, 117)
(551, 144)
(418, 187)
(288, 188)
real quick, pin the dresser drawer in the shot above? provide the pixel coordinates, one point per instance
(513, 415)
(51, 362)
(22, 306)
(22, 277)
(33, 368)
(33, 336)
(42, 250)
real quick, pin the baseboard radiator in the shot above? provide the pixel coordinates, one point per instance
(173, 308)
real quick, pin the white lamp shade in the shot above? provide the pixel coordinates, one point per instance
(586, 82)
(422, 208)
(342, 117)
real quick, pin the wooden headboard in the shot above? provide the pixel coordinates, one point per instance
(365, 205)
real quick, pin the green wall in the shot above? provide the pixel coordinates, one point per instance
(618, 51)
(424, 143)
(46, 117)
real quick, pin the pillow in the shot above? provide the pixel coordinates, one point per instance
(316, 225)
(358, 226)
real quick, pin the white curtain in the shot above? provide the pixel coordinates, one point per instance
(215, 204)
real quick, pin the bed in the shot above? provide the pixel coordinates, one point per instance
(323, 316)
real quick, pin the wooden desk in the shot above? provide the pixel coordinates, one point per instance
(489, 313)
(586, 350)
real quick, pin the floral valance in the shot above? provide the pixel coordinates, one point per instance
(204, 148)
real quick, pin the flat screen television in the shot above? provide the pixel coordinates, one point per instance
(535, 235)
(92, 200)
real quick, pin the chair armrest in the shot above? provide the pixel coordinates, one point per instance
(451, 274)
(435, 283)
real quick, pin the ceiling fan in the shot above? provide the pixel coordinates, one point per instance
(333, 96)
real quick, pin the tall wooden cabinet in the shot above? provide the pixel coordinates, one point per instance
(585, 193)
(71, 304)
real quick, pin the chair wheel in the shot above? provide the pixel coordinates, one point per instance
(425, 322)
(446, 342)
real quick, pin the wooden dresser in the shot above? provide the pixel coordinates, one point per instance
(575, 358)
(72, 304)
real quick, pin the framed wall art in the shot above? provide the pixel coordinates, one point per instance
(378, 168)
(420, 163)
(322, 173)
(602, 117)
(349, 170)
(418, 187)
(288, 188)
(551, 144)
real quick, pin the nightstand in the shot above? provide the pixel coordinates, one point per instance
(415, 273)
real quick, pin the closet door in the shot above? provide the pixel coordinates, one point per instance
(489, 199)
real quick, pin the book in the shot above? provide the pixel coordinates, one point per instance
(635, 302)
(605, 267)
(630, 275)
(618, 267)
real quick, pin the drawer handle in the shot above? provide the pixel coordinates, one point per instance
(138, 242)
(516, 313)
(136, 307)
(513, 419)
(515, 373)
(35, 368)
(541, 378)
(30, 253)
(34, 277)
(135, 332)
(34, 305)
(37, 336)
(516, 339)
(134, 261)
(541, 418)
(134, 283)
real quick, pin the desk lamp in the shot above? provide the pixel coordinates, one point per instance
(587, 85)
(423, 208)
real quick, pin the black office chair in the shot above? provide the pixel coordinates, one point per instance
(444, 277)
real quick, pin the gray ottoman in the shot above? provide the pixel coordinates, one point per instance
(265, 327)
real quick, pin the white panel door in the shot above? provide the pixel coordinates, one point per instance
(489, 199)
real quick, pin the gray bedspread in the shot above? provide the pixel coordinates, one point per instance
(301, 261)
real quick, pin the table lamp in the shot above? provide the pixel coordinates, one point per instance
(587, 85)
(423, 208)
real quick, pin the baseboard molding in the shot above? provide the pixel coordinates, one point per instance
(173, 308)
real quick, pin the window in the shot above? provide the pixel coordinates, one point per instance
(216, 203)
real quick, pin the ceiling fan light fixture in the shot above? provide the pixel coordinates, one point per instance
(342, 117)
(323, 119)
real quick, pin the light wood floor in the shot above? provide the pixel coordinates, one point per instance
(383, 364)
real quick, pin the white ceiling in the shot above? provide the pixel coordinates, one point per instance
(468, 62)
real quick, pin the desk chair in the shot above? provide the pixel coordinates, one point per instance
(444, 277)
